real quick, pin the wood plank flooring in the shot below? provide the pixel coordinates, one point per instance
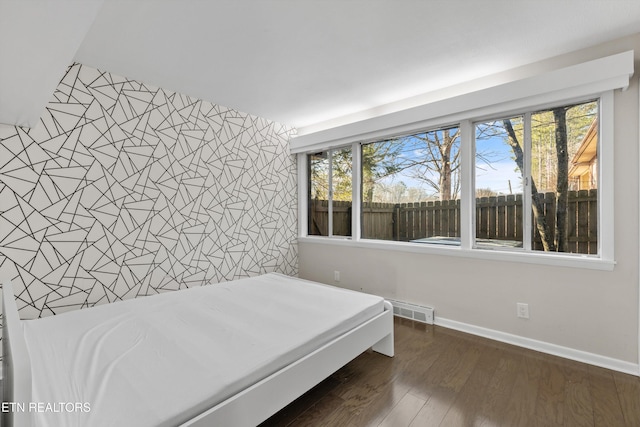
(441, 377)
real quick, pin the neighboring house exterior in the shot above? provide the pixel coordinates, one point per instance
(583, 169)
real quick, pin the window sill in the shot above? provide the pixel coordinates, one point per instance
(560, 260)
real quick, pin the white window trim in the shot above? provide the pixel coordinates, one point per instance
(540, 258)
(356, 156)
(577, 81)
(330, 193)
(467, 183)
(526, 193)
(594, 79)
(303, 196)
(606, 227)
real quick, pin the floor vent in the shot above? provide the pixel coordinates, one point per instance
(412, 311)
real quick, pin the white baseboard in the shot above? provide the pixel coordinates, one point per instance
(541, 346)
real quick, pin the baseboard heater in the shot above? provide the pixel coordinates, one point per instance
(412, 311)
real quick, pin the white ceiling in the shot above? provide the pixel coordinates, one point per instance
(301, 62)
(38, 39)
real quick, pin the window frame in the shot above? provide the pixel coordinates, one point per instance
(604, 260)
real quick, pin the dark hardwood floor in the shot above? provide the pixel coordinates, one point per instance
(441, 377)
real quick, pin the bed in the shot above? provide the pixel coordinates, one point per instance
(232, 353)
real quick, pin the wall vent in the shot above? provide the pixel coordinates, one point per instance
(412, 311)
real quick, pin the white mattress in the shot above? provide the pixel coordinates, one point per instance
(160, 360)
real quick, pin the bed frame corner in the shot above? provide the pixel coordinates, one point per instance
(385, 345)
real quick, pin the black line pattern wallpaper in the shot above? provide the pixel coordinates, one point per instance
(125, 190)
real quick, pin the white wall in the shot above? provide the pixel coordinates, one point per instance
(580, 312)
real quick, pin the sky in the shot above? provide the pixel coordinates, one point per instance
(502, 168)
(496, 175)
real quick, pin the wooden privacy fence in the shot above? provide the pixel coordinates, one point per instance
(319, 218)
(497, 218)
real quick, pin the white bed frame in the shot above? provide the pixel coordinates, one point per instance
(247, 408)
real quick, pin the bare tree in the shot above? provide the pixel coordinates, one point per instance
(560, 242)
(562, 181)
(439, 164)
(432, 158)
(536, 198)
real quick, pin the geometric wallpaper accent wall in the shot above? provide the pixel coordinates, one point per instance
(125, 190)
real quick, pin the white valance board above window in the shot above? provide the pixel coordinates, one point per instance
(576, 81)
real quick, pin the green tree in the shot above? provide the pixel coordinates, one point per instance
(341, 174)
(379, 160)
(319, 176)
(544, 160)
(342, 169)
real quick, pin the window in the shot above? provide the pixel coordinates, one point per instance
(534, 185)
(411, 188)
(330, 193)
(499, 183)
(547, 187)
(564, 184)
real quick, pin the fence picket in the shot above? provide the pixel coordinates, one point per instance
(497, 218)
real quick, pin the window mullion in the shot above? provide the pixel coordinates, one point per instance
(356, 189)
(330, 194)
(526, 196)
(304, 195)
(467, 186)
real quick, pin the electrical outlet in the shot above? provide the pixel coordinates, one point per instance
(522, 310)
(336, 276)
